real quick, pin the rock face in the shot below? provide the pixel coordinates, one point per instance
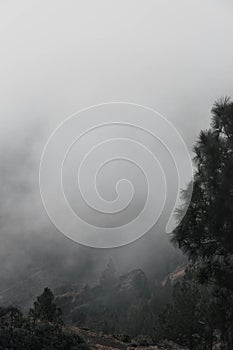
(134, 283)
(105, 303)
(175, 276)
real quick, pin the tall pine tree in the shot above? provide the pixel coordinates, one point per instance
(206, 232)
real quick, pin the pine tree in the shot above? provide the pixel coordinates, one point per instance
(45, 310)
(206, 232)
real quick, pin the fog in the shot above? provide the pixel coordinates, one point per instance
(58, 57)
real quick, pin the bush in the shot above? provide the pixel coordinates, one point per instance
(143, 340)
(125, 338)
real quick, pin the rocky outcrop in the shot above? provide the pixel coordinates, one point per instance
(135, 283)
(175, 276)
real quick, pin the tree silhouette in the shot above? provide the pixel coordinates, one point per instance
(45, 310)
(206, 232)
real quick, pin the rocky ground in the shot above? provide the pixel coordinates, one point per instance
(107, 342)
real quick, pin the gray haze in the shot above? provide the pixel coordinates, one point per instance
(58, 57)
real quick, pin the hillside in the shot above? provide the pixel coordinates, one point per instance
(117, 304)
(102, 341)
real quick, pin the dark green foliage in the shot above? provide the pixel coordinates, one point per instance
(143, 340)
(44, 336)
(185, 320)
(140, 319)
(125, 338)
(18, 332)
(202, 305)
(161, 296)
(10, 318)
(206, 231)
(44, 308)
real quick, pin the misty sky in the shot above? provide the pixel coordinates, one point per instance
(58, 57)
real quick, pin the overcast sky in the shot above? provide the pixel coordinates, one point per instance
(59, 56)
